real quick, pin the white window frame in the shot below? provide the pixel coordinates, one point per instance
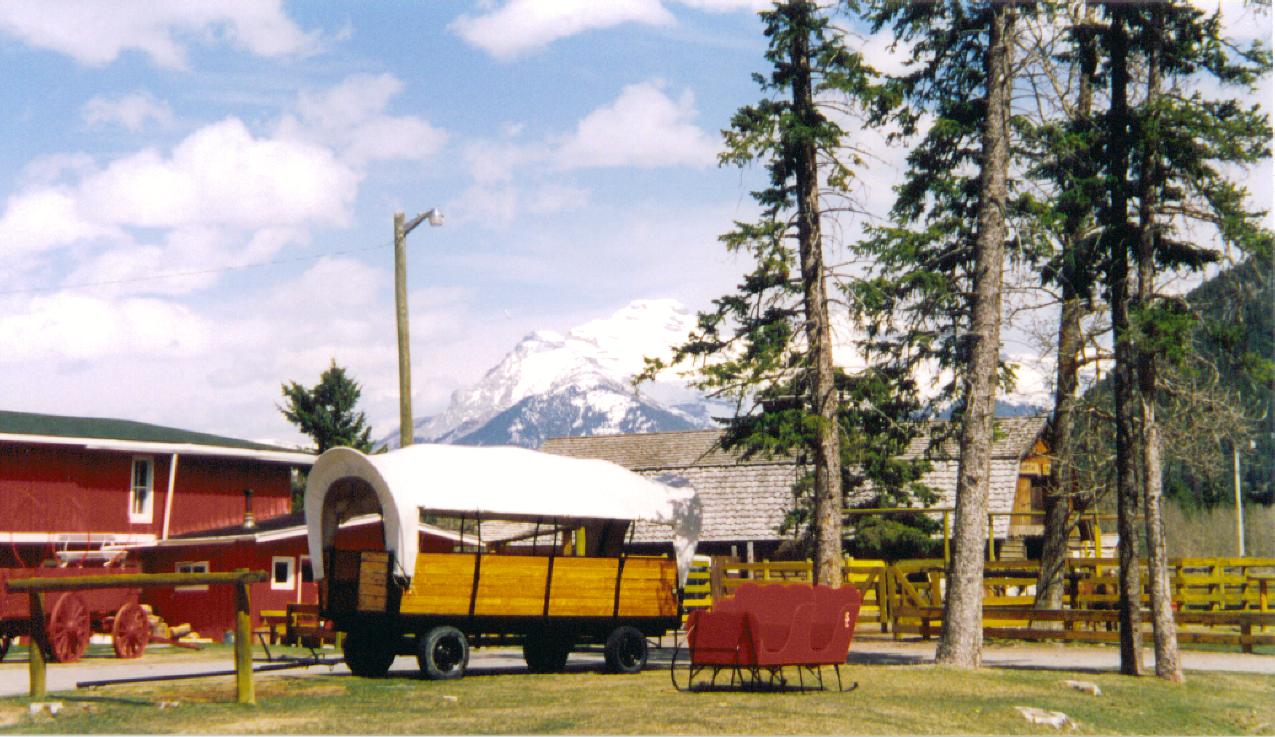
(147, 514)
(191, 566)
(291, 581)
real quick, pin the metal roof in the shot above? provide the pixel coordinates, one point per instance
(130, 436)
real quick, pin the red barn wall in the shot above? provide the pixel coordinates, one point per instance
(61, 488)
(211, 612)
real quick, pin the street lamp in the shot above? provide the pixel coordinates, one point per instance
(435, 218)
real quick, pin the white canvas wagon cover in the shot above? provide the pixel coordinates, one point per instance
(505, 482)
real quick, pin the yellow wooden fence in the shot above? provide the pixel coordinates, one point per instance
(1233, 594)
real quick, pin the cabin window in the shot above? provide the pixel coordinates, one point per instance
(191, 566)
(283, 572)
(307, 570)
(141, 497)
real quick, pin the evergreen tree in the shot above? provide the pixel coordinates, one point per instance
(326, 412)
(768, 345)
(1168, 154)
(1066, 149)
(937, 292)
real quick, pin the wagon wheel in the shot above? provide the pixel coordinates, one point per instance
(131, 631)
(69, 629)
(625, 650)
(5, 642)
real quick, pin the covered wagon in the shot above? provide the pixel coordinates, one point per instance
(541, 559)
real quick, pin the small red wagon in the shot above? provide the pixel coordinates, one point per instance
(71, 617)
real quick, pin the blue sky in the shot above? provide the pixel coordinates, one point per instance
(571, 144)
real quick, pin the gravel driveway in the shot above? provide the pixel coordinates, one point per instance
(868, 649)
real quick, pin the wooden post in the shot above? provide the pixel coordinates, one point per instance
(947, 537)
(1263, 601)
(715, 586)
(991, 537)
(36, 660)
(243, 645)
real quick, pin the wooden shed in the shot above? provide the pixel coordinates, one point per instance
(744, 500)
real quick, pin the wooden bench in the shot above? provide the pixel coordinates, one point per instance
(305, 628)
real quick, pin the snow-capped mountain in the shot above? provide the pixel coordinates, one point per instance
(579, 383)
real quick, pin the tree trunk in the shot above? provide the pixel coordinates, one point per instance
(828, 558)
(1061, 486)
(961, 642)
(1168, 664)
(1058, 493)
(1118, 236)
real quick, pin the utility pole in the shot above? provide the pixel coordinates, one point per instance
(401, 229)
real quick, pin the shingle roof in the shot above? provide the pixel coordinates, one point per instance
(699, 448)
(748, 500)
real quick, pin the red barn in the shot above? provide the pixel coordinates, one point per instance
(277, 546)
(76, 488)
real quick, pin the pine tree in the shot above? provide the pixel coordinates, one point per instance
(1167, 154)
(769, 345)
(326, 412)
(937, 291)
(1066, 150)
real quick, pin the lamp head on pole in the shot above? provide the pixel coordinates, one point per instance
(434, 217)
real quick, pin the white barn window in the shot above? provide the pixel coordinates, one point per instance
(141, 498)
(283, 572)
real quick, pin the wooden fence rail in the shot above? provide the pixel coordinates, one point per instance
(1229, 589)
(35, 587)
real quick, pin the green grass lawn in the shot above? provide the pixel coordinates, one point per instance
(890, 699)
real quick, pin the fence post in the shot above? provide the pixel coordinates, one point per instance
(991, 537)
(715, 586)
(35, 665)
(243, 645)
(947, 538)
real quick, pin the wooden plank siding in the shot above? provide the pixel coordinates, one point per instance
(514, 585)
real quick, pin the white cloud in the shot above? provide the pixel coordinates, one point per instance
(77, 327)
(727, 6)
(492, 162)
(886, 53)
(351, 118)
(645, 128)
(96, 32)
(42, 218)
(222, 175)
(520, 26)
(499, 205)
(131, 111)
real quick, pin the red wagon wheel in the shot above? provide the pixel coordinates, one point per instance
(131, 631)
(69, 629)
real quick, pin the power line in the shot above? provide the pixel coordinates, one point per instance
(200, 272)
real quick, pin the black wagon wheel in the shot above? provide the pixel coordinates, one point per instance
(130, 631)
(546, 652)
(369, 653)
(442, 653)
(625, 650)
(5, 642)
(69, 628)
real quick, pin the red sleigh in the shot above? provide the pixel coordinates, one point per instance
(763, 629)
